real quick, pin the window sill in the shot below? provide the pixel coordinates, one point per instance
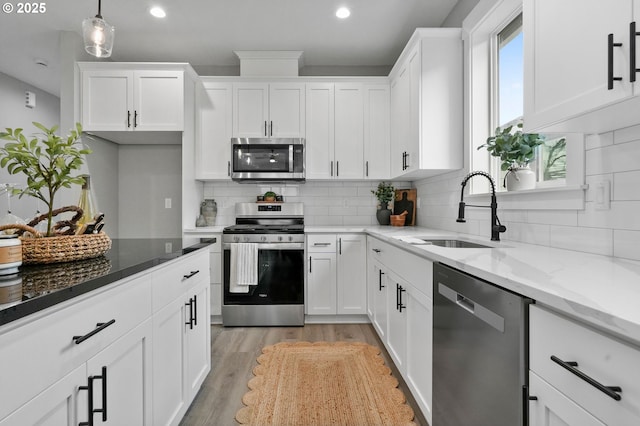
(558, 198)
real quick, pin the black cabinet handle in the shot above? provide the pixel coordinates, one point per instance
(99, 327)
(135, 118)
(271, 128)
(265, 127)
(331, 168)
(611, 391)
(190, 322)
(89, 389)
(337, 168)
(309, 264)
(195, 309)
(610, 76)
(633, 33)
(339, 245)
(376, 250)
(228, 168)
(380, 274)
(128, 119)
(90, 410)
(189, 275)
(366, 165)
(400, 305)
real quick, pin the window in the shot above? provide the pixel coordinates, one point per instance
(550, 163)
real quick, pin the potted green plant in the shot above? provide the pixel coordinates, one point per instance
(515, 150)
(385, 194)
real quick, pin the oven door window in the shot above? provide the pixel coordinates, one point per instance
(263, 158)
(280, 279)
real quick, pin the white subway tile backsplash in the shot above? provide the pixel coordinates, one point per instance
(627, 134)
(528, 233)
(553, 217)
(626, 186)
(590, 240)
(616, 158)
(598, 141)
(626, 244)
(622, 215)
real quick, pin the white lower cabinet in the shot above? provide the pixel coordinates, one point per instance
(124, 368)
(399, 288)
(107, 356)
(552, 408)
(579, 375)
(55, 406)
(335, 282)
(181, 335)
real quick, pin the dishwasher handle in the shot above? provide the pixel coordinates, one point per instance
(482, 313)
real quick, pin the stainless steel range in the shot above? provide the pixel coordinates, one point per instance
(264, 266)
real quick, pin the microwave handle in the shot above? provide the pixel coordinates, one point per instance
(290, 158)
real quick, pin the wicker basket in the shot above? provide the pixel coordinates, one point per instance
(63, 248)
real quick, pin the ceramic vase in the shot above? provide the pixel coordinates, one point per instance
(520, 178)
(209, 210)
(383, 214)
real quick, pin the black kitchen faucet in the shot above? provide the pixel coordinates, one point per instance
(496, 226)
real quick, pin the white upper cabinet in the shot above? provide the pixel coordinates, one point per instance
(213, 131)
(349, 131)
(577, 60)
(376, 131)
(269, 110)
(117, 99)
(320, 124)
(426, 105)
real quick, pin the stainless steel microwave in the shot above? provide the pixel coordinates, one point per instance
(267, 159)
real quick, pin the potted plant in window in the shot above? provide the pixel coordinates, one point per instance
(48, 161)
(384, 193)
(515, 150)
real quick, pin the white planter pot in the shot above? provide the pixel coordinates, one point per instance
(521, 178)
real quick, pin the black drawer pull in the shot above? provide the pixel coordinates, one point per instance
(189, 275)
(99, 327)
(610, 74)
(632, 51)
(190, 305)
(380, 286)
(611, 391)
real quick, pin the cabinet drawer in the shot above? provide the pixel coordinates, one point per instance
(598, 356)
(36, 354)
(177, 277)
(412, 268)
(321, 243)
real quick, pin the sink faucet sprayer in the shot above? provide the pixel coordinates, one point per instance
(496, 226)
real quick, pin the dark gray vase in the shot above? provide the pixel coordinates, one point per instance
(383, 214)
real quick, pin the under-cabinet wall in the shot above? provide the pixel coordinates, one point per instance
(325, 203)
(614, 232)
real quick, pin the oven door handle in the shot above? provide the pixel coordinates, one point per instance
(290, 158)
(271, 246)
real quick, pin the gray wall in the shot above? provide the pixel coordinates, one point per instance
(13, 114)
(147, 175)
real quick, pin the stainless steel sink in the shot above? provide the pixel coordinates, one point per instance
(454, 243)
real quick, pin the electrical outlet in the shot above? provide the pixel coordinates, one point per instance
(418, 203)
(167, 203)
(168, 247)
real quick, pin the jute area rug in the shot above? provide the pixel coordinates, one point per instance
(323, 384)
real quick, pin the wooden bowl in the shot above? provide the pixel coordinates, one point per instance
(397, 219)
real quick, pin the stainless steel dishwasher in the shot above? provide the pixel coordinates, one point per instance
(480, 352)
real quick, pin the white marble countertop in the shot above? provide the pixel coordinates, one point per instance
(601, 290)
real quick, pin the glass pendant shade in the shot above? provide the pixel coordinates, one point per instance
(98, 36)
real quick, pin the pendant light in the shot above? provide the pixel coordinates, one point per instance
(98, 35)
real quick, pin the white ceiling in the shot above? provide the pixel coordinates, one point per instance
(206, 32)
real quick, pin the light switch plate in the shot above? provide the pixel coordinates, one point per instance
(603, 195)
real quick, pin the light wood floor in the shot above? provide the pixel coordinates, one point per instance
(234, 351)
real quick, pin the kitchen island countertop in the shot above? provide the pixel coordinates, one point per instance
(37, 287)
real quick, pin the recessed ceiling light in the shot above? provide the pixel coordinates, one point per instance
(343, 13)
(158, 12)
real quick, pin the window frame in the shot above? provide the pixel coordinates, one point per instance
(480, 32)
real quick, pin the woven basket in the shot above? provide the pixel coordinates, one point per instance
(63, 248)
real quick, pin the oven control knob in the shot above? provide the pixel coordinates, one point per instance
(263, 238)
(246, 239)
(236, 239)
(290, 238)
(279, 238)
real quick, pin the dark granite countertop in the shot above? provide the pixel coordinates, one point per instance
(36, 287)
